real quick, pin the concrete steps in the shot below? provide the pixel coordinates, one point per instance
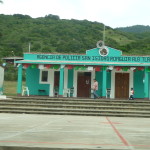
(72, 106)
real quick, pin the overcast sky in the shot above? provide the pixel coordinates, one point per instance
(113, 13)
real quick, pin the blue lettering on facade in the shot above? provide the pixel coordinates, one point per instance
(93, 58)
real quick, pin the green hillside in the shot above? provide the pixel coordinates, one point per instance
(52, 34)
(135, 29)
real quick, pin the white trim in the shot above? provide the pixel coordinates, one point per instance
(112, 84)
(83, 62)
(2, 76)
(113, 81)
(51, 79)
(40, 77)
(51, 76)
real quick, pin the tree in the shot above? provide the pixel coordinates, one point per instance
(51, 34)
(1, 1)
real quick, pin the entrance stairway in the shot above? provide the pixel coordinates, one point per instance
(73, 106)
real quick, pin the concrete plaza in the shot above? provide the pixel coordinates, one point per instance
(26, 131)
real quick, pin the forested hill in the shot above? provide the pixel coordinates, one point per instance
(52, 34)
(135, 29)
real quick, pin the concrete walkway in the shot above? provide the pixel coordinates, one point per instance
(73, 132)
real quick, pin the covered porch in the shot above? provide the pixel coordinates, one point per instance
(72, 74)
(76, 81)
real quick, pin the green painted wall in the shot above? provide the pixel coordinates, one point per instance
(61, 81)
(138, 84)
(112, 52)
(19, 83)
(70, 78)
(32, 81)
(108, 84)
(99, 78)
(146, 82)
(45, 87)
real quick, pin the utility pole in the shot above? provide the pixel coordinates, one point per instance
(29, 46)
(104, 35)
(14, 58)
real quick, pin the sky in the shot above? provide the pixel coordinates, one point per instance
(113, 13)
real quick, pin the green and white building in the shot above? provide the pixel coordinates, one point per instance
(48, 74)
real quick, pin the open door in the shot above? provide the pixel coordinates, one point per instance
(56, 82)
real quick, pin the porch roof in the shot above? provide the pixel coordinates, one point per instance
(82, 63)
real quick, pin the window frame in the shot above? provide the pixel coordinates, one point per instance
(40, 78)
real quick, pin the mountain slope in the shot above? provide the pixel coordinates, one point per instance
(52, 34)
(135, 29)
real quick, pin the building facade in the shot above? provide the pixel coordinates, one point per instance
(53, 74)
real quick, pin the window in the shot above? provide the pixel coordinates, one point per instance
(44, 76)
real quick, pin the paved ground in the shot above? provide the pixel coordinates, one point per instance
(74, 132)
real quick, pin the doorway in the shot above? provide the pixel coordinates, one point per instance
(122, 85)
(56, 82)
(84, 84)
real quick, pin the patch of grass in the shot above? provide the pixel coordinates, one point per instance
(10, 87)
